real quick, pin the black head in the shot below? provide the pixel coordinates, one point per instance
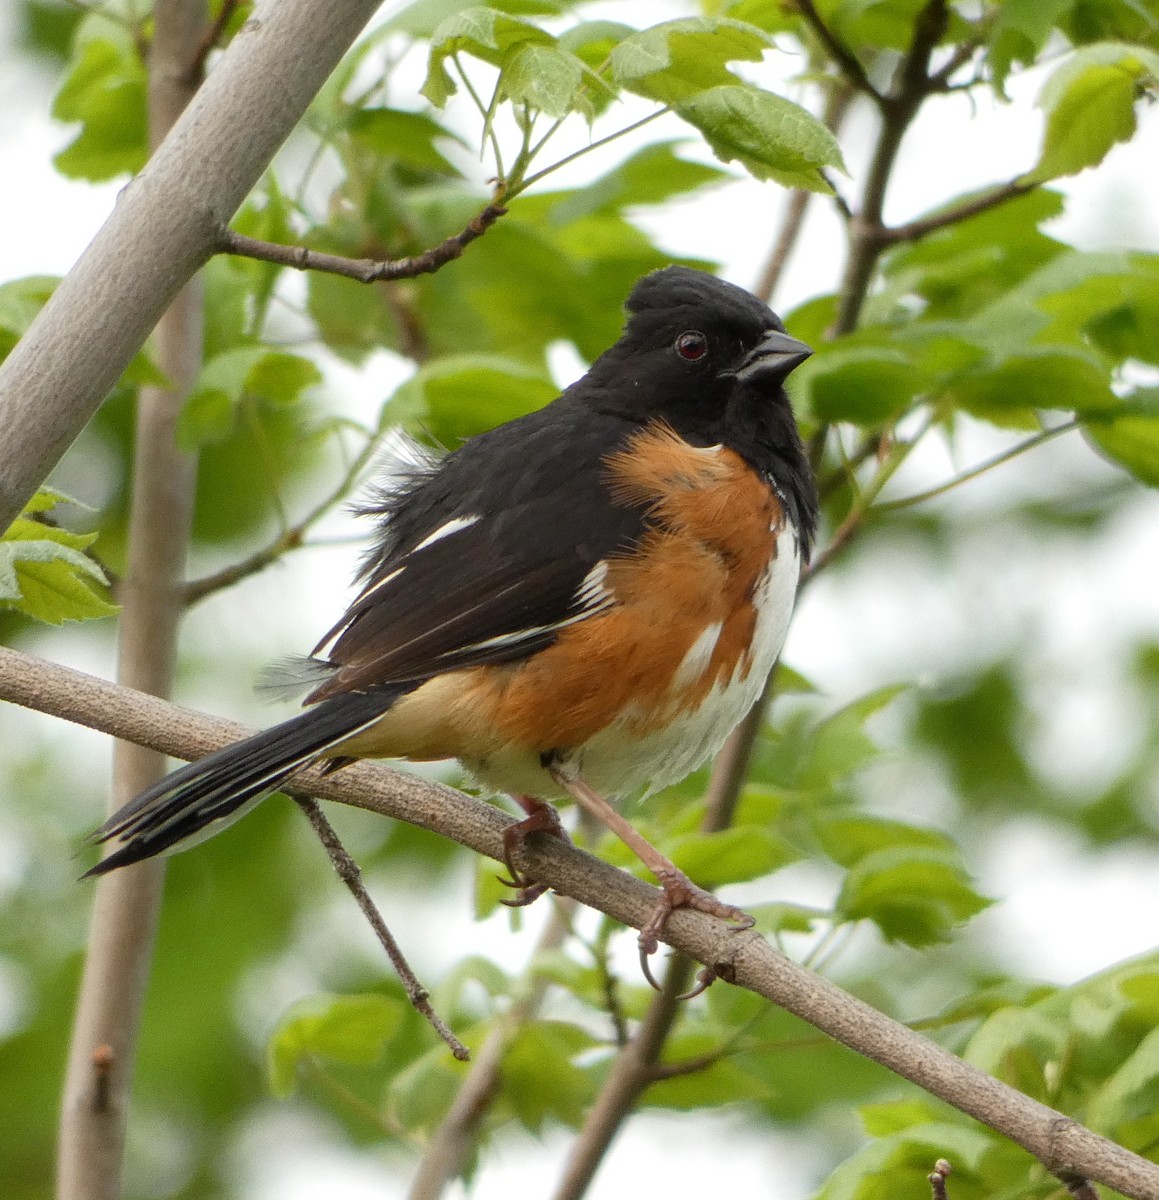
(710, 359)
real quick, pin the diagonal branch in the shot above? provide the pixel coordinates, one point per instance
(365, 270)
(912, 231)
(743, 957)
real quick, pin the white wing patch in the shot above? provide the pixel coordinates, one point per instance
(591, 593)
(454, 525)
(591, 597)
(385, 580)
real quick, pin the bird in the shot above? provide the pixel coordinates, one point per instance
(582, 602)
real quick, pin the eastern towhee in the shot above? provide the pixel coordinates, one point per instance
(584, 601)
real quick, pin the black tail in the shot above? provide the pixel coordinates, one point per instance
(198, 800)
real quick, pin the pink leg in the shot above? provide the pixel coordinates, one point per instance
(678, 890)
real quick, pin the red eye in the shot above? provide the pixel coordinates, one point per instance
(691, 345)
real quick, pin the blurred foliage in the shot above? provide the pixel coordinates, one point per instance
(987, 319)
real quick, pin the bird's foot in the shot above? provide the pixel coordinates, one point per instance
(541, 818)
(678, 891)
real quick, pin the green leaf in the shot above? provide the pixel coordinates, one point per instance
(849, 837)
(1126, 1106)
(105, 91)
(1019, 32)
(594, 41)
(344, 1029)
(1016, 1045)
(270, 375)
(730, 855)
(422, 18)
(864, 384)
(540, 1081)
(484, 33)
(839, 745)
(407, 137)
(676, 60)
(913, 894)
(772, 138)
(1090, 105)
(1043, 377)
(1130, 439)
(899, 1164)
(551, 80)
(461, 395)
(44, 572)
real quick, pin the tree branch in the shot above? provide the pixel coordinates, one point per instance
(99, 1076)
(867, 239)
(365, 270)
(450, 1146)
(165, 224)
(741, 957)
(351, 875)
(792, 222)
(912, 231)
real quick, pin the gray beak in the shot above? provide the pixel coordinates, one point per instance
(775, 356)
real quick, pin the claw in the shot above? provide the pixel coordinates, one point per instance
(678, 891)
(541, 818)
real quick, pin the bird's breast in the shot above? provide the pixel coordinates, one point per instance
(643, 692)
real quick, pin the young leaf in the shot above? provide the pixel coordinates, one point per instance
(552, 80)
(540, 1079)
(105, 92)
(484, 33)
(730, 856)
(771, 137)
(44, 572)
(1042, 377)
(677, 60)
(864, 384)
(1090, 105)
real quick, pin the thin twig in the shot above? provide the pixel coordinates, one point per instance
(291, 538)
(365, 270)
(1039, 439)
(213, 35)
(912, 231)
(959, 57)
(517, 186)
(351, 874)
(743, 957)
(848, 62)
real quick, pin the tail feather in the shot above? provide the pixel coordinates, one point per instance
(198, 799)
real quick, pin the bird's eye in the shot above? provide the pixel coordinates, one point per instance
(691, 345)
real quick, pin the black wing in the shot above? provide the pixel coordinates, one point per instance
(486, 557)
